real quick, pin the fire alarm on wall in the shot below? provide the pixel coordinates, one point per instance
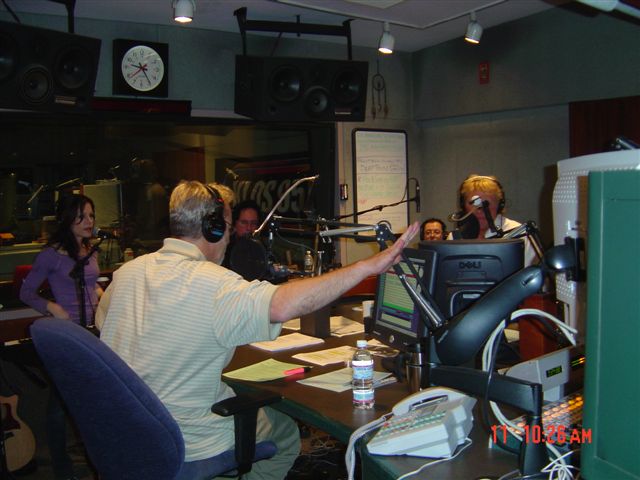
(483, 72)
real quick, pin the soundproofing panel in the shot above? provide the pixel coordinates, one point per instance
(288, 89)
(44, 69)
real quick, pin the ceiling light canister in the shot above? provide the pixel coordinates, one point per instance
(387, 42)
(183, 10)
(474, 30)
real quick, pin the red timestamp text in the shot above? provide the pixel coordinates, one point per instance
(551, 434)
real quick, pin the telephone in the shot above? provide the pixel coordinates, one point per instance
(429, 423)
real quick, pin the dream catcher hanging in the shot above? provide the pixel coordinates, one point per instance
(378, 94)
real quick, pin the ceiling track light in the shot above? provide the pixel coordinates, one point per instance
(183, 10)
(474, 30)
(387, 42)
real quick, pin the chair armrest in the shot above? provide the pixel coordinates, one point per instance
(244, 408)
(243, 402)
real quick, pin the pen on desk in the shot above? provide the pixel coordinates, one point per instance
(293, 371)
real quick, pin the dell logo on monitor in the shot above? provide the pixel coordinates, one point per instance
(469, 264)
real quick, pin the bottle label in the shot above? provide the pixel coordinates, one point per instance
(362, 370)
(363, 396)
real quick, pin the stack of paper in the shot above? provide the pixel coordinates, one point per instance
(264, 371)
(340, 380)
(327, 357)
(286, 342)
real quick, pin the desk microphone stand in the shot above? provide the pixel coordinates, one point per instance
(77, 273)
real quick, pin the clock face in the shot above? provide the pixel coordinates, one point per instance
(142, 68)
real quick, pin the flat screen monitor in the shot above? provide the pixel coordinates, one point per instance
(570, 223)
(463, 270)
(396, 320)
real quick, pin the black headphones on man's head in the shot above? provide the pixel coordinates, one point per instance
(213, 223)
(501, 201)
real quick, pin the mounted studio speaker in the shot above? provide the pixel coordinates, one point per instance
(44, 69)
(300, 89)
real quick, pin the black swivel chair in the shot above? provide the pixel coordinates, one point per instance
(127, 431)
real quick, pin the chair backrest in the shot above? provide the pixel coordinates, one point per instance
(127, 432)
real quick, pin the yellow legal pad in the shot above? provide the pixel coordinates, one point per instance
(264, 371)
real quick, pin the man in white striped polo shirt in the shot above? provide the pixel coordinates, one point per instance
(175, 316)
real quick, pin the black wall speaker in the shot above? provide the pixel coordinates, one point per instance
(300, 89)
(44, 69)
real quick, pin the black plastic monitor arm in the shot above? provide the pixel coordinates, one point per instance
(512, 391)
(463, 336)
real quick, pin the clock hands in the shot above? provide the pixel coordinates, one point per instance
(140, 68)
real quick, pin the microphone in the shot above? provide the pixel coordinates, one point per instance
(104, 234)
(468, 228)
(232, 174)
(487, 215)
(460, 216)
(417, 197)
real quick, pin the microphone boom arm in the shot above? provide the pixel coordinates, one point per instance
(281, 199)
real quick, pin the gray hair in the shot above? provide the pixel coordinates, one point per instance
(190, 201)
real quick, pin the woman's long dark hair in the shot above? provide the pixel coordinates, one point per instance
(66, 213)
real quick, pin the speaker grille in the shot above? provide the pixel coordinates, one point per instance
(36, 86)
(44, 69)
(285, 84)
(300, 89)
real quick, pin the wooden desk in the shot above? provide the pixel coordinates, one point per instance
(329, 411)
(333, 413)
(15, 323)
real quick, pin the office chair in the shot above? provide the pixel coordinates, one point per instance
(127, 431)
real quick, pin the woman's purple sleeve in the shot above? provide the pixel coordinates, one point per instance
(34, 280)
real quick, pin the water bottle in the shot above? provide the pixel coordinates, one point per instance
(308, 262)
(362, 382)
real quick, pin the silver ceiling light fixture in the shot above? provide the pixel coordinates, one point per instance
(387, 42)
(183, 10)
(474, 30)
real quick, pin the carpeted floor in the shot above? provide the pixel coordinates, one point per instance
(321, 457)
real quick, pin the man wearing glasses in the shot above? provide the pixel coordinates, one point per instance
(246, 220)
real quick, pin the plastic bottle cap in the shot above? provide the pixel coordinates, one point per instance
(361, 343)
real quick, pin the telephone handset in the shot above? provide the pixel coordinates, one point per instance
(431, 395)
(429, 423)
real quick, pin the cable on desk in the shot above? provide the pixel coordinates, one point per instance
(467, 444)
(349, 456)
(557, 468)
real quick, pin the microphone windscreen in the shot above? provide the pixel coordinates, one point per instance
(469, 228)
(248, 258)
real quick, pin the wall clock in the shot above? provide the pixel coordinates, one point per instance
(140, 68)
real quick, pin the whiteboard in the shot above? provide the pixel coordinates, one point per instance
(380, 165)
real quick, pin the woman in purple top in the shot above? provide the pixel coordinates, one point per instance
(62, 262)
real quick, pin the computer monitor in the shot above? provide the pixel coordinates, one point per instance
(463, 270)
(570, 222)
(396, 320)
